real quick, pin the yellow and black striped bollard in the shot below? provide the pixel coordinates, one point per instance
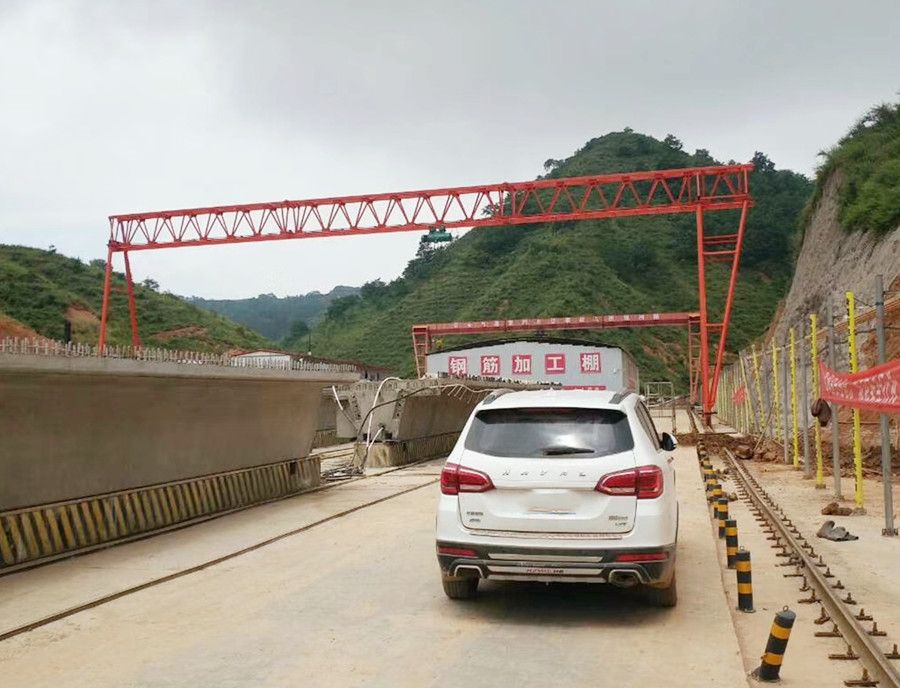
(744, 581)
(715, 493)
(731, 542)
(778, 639)
(709, 477)
(723, 514)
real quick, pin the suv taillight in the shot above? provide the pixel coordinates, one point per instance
(456, 479)
(643, 482)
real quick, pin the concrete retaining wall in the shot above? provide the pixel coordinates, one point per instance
(76, 427)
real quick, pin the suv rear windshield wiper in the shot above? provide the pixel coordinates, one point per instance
(559, 449)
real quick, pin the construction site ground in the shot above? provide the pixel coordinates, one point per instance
(868, 566)
(357, 601)
(340, 587)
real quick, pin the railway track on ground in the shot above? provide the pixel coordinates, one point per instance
(695, 428)
(878, 667)
(104, 599)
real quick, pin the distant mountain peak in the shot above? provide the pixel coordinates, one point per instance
(274, 316)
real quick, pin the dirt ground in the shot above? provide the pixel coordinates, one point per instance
(806, 659)
(868, 566)
(773, 452)
(357, 601)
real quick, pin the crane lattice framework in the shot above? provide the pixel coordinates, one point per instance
(423, 336)
(696, 190)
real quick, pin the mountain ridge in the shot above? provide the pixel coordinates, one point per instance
(274, 316)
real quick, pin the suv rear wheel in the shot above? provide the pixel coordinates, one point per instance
(458, 588)
(662, 597)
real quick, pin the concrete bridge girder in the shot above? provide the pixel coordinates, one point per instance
(411, 420)
(72, 427)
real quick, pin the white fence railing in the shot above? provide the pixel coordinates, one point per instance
(48, 347)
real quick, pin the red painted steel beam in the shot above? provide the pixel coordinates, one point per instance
(583, 322)
(545, 200)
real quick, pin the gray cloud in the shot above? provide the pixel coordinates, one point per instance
(125, 106)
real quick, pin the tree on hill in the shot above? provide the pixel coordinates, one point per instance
(573, 268)
(298, 338)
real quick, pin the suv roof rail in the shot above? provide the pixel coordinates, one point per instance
(493, 396)
(621, 396)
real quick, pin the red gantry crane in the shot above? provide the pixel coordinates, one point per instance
(696, 190)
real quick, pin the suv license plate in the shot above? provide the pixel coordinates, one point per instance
(543, 570)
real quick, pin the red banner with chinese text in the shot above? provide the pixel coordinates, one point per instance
(875, 389)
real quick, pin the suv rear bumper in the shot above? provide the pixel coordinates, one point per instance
(581, 565)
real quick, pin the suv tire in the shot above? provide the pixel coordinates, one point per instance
(662, 597)
(459, 588)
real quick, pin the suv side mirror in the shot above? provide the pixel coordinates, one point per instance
(667, 442)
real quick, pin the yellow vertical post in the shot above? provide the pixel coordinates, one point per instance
(759, 399)
(777, 392)
(814, 360)
(748, 411)
(857, 434)
(748, 414)
(727, 397)
(748, 395)
(794, 420)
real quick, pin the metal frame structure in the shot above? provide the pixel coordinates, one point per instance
(423, 335)
(659, 396)
(694, 190)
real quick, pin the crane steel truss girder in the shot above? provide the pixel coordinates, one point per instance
(491, 205)
(690, 190)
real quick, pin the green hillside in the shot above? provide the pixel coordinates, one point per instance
(272, 316)
(41, 289)
(868, 158)
(628, 265)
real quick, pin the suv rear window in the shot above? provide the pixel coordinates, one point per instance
(549, 432)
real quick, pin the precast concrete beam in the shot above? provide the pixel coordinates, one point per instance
(80, 426)
(411, 420)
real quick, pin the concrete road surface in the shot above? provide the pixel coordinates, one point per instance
(357, 601)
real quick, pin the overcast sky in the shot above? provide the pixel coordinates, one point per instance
(109, 107)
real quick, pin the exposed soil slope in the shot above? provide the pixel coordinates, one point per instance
(833, 261)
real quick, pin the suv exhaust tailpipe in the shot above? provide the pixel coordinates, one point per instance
(624, 579)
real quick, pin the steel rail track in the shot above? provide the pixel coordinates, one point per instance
(694, 427)
(57, 616)
(855, 635)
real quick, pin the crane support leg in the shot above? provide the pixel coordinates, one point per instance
(132, 306)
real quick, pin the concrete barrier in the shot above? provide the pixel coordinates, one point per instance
(73, 427)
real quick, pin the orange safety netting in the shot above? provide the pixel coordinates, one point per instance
(875, 389)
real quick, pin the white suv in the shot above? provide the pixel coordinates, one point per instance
(572, 486)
